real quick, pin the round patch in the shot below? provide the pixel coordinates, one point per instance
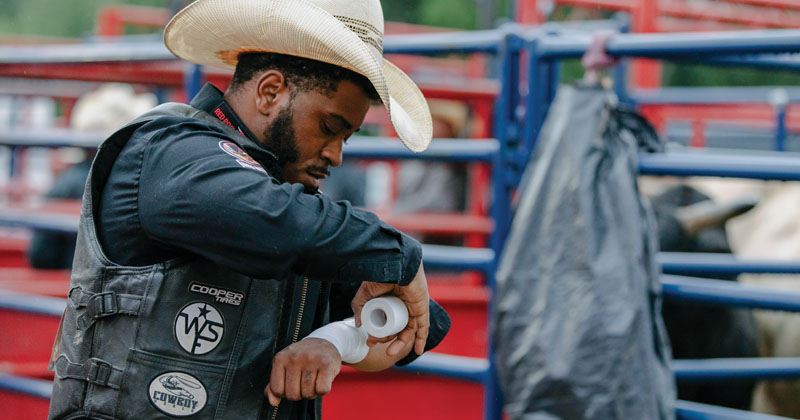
(178, 394)
(242, 158)
(199, 328)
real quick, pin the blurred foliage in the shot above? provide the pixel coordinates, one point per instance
(697, 75)
(457, 14)
(60, 18)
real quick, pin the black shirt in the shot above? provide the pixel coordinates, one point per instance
(185, 187)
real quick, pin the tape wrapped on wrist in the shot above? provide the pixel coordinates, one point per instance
(351, 342)
(381, 317)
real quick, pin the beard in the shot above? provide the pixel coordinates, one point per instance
(280, 138)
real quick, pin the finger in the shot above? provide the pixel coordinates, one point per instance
(371, 341)
(273, 399)
(405, 337)
(276, 378)
(308, 385)
(357, 313)
(293, 378)
(324, 381)
(422, 339)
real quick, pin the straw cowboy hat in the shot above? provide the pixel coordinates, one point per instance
(346, 33)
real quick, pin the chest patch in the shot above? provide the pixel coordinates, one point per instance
(199, 328)
(230, 297)
(178, 394)
(242, 158)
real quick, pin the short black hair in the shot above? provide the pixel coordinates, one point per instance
(302, 73)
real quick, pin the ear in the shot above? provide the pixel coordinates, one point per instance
(271, 91)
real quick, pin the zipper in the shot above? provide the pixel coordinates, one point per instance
(297, 325)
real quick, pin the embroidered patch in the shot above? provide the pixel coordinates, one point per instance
(199, 328)
(241, 156)
(178, 394)
(221, 295)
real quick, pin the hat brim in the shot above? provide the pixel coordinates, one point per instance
(214, 33)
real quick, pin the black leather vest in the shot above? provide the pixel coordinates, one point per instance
(183, 338)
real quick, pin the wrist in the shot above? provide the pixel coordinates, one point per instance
(350, 342)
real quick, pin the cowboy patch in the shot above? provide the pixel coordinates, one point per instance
(241, 156)
(177, 394)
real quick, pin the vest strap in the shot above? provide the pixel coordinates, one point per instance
(101, 305)
(95, 371)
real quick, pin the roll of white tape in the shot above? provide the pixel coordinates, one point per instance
(384, 316)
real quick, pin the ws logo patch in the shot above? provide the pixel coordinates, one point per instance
(199, 328)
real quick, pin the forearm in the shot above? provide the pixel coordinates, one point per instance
(377, 359)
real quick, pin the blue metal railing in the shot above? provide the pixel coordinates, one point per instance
(515, 139)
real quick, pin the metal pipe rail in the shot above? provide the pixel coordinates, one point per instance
(486, 150)
(52, 137)
(710, 95)
(688, 410)
(697, 263)
(725, 369)
(729, 293)
(119, 50)
(463, 42)
(754, 165)
(26, 386)
(42, 305)
(476, 369)
(763, 61)
(675, 45)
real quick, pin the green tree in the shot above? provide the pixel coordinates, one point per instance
(72, 18)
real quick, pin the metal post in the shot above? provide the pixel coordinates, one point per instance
(506, 129)
(533, 102)
(780, 129)
(779, 99)
(192, 80)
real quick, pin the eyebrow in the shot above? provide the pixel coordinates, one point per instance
(342, 120)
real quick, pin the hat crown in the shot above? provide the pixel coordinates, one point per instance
(362, 17)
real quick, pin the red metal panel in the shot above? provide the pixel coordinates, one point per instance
(23, 407)
(439, 223)
(27, 280)
(401, 396)
(467, 308)
(777, 4)
(27, 341)
(111, 20)
(528, 12)
(769, 18)
(624, 5)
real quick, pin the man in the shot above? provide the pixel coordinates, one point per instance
(205, 252)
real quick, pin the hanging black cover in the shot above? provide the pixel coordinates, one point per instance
(577, 316)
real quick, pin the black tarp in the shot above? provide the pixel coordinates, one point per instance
(577, 331)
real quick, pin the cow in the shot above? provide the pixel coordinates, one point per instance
(689, 221)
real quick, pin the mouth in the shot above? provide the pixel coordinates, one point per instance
(317, 175)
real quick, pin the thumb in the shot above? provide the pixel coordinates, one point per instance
(273, 400)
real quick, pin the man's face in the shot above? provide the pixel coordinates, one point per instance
(307, 134)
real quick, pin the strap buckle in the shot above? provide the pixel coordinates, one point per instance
(97, 371)
(103, 304)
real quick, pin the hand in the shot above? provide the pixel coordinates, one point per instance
(415, 296)
(303, 370)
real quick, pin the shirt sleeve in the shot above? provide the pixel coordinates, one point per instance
(196, 195)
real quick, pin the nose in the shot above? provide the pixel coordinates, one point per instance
(332, 152)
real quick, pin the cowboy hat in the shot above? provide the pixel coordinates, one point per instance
(346, 33)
